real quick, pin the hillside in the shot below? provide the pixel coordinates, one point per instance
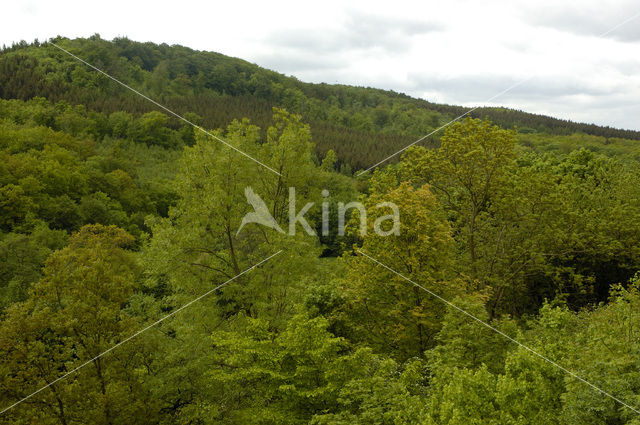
(362, 125)
(152, 275)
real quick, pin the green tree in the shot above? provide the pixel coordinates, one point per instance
(464, 396)
(201, 245)
(465, 171)
(386, 311)
(489, 379)
(151, 128)
(329, 161)
(74, 313)
(604, 351)
(22, 257)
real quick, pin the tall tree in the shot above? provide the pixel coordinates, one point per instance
(385, 310)
(201, 244)
(465, 171)
(74, 313)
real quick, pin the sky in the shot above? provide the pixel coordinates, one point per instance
(578, 60)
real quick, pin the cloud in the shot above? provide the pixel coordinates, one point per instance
(327, 53)
(286, 63)
(458, 52)
(391, 34)
(480, 88)
(619, 21)
(360, 31)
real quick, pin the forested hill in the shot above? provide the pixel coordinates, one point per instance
(362, 125)
(115, 217)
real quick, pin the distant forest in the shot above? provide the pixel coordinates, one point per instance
(362, 125)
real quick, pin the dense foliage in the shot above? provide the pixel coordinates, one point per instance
(114, 215)
(362, 125)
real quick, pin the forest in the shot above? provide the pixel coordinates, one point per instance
(510, 295)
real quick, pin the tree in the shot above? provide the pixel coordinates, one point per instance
(379, 391)
(465, 343)
(464, 396)
(200, 243)
(515, 386)
(604, 351)
(531, 227)
(74, 313)
(22, 257)
(304, 374)
(465, 171)
(14, 206)
(329, 161)
(386, 311)
(152, 129)
(261, 376)
(200, 246)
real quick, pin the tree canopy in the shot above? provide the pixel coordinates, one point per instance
(116, 220)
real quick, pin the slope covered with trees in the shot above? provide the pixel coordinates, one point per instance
(362, 125)
(114, 215)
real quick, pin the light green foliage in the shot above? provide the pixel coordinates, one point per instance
(532, 226)
(261, 376)
(198, 246)
(386, 311)
(605, 352)
(465, 343)
(465, 397)
(484, 385)
(534, 232)
(329, 161)
(151, 128)
(465, 171)
(305, 375)
(380, 392)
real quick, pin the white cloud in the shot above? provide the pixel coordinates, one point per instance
(460, 52)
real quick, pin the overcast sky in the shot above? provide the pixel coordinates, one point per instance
(457, 52)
